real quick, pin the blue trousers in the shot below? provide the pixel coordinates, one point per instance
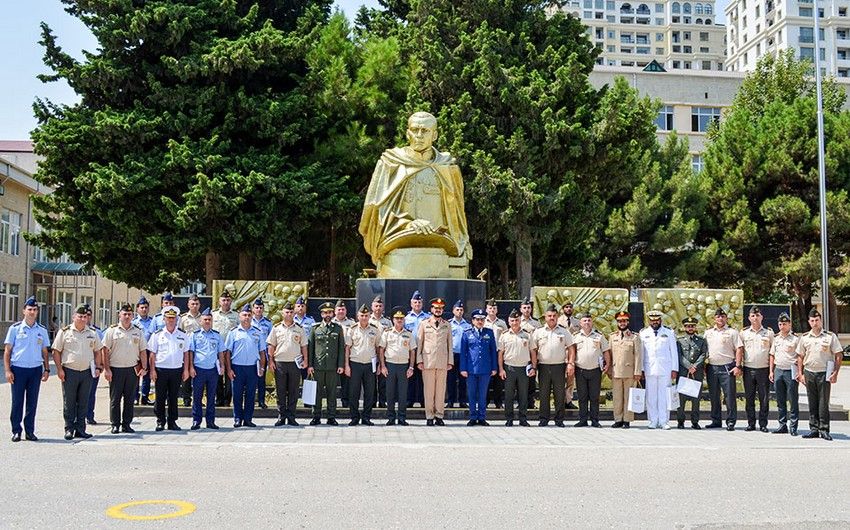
(205, 378)
(92, 396)
(476, 391)
(244, 392)
(25, 389)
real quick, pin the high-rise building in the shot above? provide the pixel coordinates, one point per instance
(679, 35)
(755, 28)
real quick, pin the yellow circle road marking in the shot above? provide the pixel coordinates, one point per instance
(117, 511)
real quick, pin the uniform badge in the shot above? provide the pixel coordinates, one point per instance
(40, 340)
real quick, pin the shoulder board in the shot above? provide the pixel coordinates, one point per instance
(66, 328)
(113, 326)
(19, 322)
(138, 327)
(770, 329)
(180, 329)
(746, 328)
(316, 324)
(373, 325)
(297, 324)
(213, 330)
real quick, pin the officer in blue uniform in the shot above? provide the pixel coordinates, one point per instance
(265, 325)
(415, 390)
(93, 390)
(478, 363)
(455, 384)
(144, 321)
(26, 364)
(244, 351)
(205, 358)
(159, 319)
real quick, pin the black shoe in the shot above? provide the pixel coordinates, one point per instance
(280, 422)
(730, 428)
(146, 401)
(91, 421)
(750, 428)
(174, 427)
(581, 423)
(793, 432)
(69, 435)
(292, 422)
(262, 405)
(595, 424)
(509, 423)
(543, 423)
(439, 422)
(345, 403)
(403, 423)
(127, 429)
(30, 437)
(626, 425)
(825, 435)
(353, 422)
(429, 423)
(571, 406)
(382, 405)
(695, 426)
(82, 435)
(332, 421)
(367, 423)
(483, 423)
(160, 427)
(713, 426)
(617, 425)
(187, 402)
(559, 423)
(195, 426)
(391, 421)
(463, 405)
(524, 423)
(115, 429)
(499, 405)
(249, 424)
(680, 425)
(781, 430)
(811, 434)
(212, 426)
(16, 437)
(237, 424)
(472, 423)
(763, 429)
(315, 421)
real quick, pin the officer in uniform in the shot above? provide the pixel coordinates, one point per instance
(224, 319)
(553, 354)
(326, 353)
(693, 351)
(478, 363)
(660, 365)
(169, 366)
(190, 322)
(265, 325)
(341, 318)
(725, 363)
(457, 384)
(514, 348)
(25, 359)
(245, 359)
(206, 360)
(397, 352)
(287, 347)
(125, 357)
(301, 317)
(434, 359)
(626, 368)
(783, 363)
(145, 322)
(159, 318)
(818, 349)
(411, 324)
(93, 389)
(382, 323)
(593, 358)
(76, 348)
(360, 358)
(568, 321)
(528, 324)
(758, 341)
(493, 322)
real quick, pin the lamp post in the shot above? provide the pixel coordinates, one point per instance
(824, 281)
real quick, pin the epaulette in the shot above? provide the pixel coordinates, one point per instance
(19, 322)
(138, 327)
(113, 326)
(374, 326)
(770, 329)
(66, 328)
(746, 328)
(297, 324)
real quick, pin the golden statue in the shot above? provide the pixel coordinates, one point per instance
(413, 223)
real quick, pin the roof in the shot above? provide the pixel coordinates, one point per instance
(654, 67)
(16, 146)
(60, 269)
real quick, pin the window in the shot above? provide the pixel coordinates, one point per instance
(9, 301)
(611, 18)
(609, 5)
(702, 117)
(659, 8)
(677, 48)
(659, 37)
(104, 314)
(708, 22)
(587, 14)
(842, 11)
(677, 8)
(686, 8)
(676, 65)
(64, 302)
(807, 35)
(698, 21)
(687, 49)
(612, 48)
(659, 51)
(708, 9)
(706, 65)
(822, 54)
(820, 34)
(687, 65)
(659, 21)
(696, 163)
(686, 35)
(758, 11)
(664, 121)
(698, 9)
(599, 4)
(611, 34)
(703, 49)
(10, 232)
(588, 4)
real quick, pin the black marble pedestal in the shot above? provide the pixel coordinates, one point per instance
(397, 292)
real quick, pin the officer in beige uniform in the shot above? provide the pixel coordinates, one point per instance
(397, 351)
(434, 358)
(514, 360)
(528, 324)
(125, 359)
(593, 358)
(75, 349)
(361, 361)
(190, 321)
(553, 355)
(758, 341)
(568, 321)
(626, 367)
(725, 363)
(341, 318)
(783, 363)
(381, 322)
(817, 350)
(287, 345)
(492, 321)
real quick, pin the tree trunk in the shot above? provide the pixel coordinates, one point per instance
(332, 263)
(246, 266)
(522, 247)
(833, 313)
(260, 269)
(212, 269)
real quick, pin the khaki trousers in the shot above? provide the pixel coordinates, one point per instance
(621, 386)
(570, 389)
(435, 392)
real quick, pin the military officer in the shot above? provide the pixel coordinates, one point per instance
(287, 347)
(758, 341)
(783, 365)
(593, 358)
(693, 351)
(144, 321)
(169, 366)
(224, 319)
(190, 322)
(411, 324)
(341, 318)
(398, 355)
(626, 368)
(514, 368)
(301, 317)
(206, 360)
(361, 360)
(382, 323)
(125, 358)
(245, 360)
(76, 349)
(457, 384)
(25, 359)
(493, 322)
(326, 352)
(478, 363)
(568, 321)
(819, 355)
(553, 354)
(93, 388)
(660, 365)
(259, 320)
(434, 358)
(528, 324)
(725, 363)
(159, 318)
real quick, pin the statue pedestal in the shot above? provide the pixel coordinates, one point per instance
(422, 263)
(397, 291)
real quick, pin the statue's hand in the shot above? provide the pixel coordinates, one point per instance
(421, 226)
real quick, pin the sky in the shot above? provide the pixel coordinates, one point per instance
(21, 59)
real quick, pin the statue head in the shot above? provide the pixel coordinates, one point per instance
(421, 131)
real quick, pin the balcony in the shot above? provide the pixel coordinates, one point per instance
(642, 51)
(626, 40)
(645, 12)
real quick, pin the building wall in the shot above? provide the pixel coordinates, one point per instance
(13, 268)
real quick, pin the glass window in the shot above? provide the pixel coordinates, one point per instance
(659, 8)
(686, 8)
(703, 36)
(64, 302)
(702, 117)
(10, 232)
(676, 7)
(698, 9)
(696, 163)
(664, 121)
(588, 4)
(609, 5)
(708, 9)
(599, 4)
(807, 35)
(104, 313)
(9, 295)
(659, 37)
(806, 12)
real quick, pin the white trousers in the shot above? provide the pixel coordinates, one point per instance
(656, 399)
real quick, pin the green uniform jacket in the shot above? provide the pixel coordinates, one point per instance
(326, 346)
(693, 351)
